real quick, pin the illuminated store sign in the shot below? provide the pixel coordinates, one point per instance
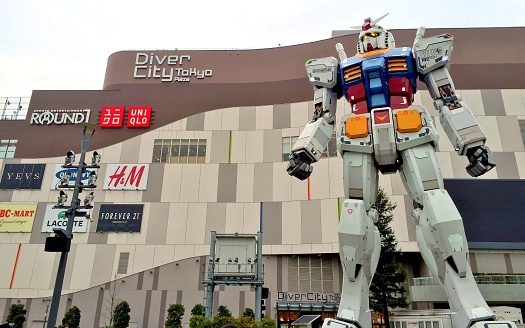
(22, 176)
(126, 177)
(166, 68)
(17, 217)
(120, 218)
(59, 116)
(72, 172)
(57, 218)
(310, 297)
(113, 117)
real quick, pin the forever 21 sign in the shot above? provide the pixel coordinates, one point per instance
(120, 217)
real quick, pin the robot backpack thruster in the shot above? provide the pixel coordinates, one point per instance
(386, 132)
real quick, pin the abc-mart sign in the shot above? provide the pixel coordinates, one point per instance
(59, 116)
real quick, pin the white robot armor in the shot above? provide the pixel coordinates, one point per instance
(386, 132)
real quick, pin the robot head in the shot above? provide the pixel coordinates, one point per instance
(373, 36)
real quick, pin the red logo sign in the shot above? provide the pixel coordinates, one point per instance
(112, 117)
(139, 117)
(126, 176)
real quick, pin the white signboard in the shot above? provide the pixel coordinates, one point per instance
(60, 172)
(57, 218)
(126, 177)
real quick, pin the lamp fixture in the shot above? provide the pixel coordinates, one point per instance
(92, 178)
(89, 199)
(70, 158)
(96, 158)
(62, 198)
(64, 180)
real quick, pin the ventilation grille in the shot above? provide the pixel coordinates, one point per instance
(397, 65)
(352, 73)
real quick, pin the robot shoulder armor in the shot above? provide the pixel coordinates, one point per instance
(433, 52)
(322, 72)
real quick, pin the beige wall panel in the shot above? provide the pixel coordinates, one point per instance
(219, 146)
(335, 177)
(157, 221)
(245, 182)
(141, 237)
(254, 146)
(417, 98)
(144, 255)
(189, 191)
(459, 163)
(163, 254)
(291, 222)
(262, 182)
(43, 194)
(190, 298)
(518, 262)
(264, 117)
(520, 159)
(234, 220)
(179, 135)
(230, 118)
(202, 250)
(82, 267)
(321, 248)
(171, 187)
(445, 164)
(216, 220)
(299, 189)
(491, 262)
(113, 196)
(329, 221)
(385, 182)
(146, 147)
(291, 132)
(266, 249)
(302, 249)
(251, 218)
(183, 252)
(408, 246)
(103, 264)
(399, 223)
(343, 107)
(111, 154)
(21, 237)
(511, 138)
(282, 185)
(28, 293)
(280, 249)
(196, 223)
(319, 180)
(473, 100)
(427, 101)
(513, 101)
(177, 125)
(117, 238)
(208, 182)
(397, 184)
(130, 153)
(21, 196)
(25, 267)
(8, 255)
(238, 148)
(230, 299)
(272, 146)
(124, 249)
(489, 125)
(42, 269)
(177, 221)
(444, 143)
(299, 114)
(213, 120)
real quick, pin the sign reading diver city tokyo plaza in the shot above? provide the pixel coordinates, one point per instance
(152, 66)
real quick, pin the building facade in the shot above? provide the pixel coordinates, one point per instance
(197, 141)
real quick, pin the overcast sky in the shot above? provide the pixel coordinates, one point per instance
(64, 44)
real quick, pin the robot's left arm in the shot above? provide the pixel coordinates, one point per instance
(432, 57)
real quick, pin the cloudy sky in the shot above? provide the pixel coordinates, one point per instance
(64, 44)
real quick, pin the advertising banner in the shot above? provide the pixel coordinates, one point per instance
(17, 217)
(120, 217)
(126, 177)
(60, 172)
(22, 176)
(57, 218)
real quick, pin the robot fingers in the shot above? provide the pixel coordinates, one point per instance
(481, 160)
(299, 166)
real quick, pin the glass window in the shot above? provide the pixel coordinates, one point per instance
(201, 151)
(522, 129)
(123, 263)
(184, 149)
(179, 151)
(8, 148)
(192, 151)
(175, 150)
(157, 149)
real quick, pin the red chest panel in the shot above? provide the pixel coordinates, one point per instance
(400, 95)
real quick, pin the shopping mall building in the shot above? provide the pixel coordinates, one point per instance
(196, 141)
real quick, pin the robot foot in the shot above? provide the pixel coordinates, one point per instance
(333, 323)
(491, 324)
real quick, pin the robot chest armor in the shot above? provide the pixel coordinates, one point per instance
(387, 80)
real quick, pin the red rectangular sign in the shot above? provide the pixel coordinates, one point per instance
(139, 116)
(112, 117)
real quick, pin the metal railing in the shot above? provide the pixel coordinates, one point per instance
(481, 280)
(14, 108)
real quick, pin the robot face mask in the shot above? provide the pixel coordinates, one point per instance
(373, 36)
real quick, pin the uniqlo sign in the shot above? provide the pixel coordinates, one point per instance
(114, 116)
(139, 117)
(126, 177)
(111, 117)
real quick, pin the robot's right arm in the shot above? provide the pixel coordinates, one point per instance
(323, 75)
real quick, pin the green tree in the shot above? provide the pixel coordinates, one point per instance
(248, 313)
(386, 289)
(198, 309)
(71, 318)
(200, 321)
(17, 315)
(121, 315)
(175, 314)
(223, 311)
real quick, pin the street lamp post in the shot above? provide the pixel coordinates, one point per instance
(61, 242)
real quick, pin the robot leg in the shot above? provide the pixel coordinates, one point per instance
(441, 236)
(359, 241)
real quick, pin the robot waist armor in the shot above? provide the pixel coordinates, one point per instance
(384, 132)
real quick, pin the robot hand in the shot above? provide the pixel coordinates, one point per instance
(299, 166)
(481, 160)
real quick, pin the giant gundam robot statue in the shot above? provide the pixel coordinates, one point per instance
(386, 132)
